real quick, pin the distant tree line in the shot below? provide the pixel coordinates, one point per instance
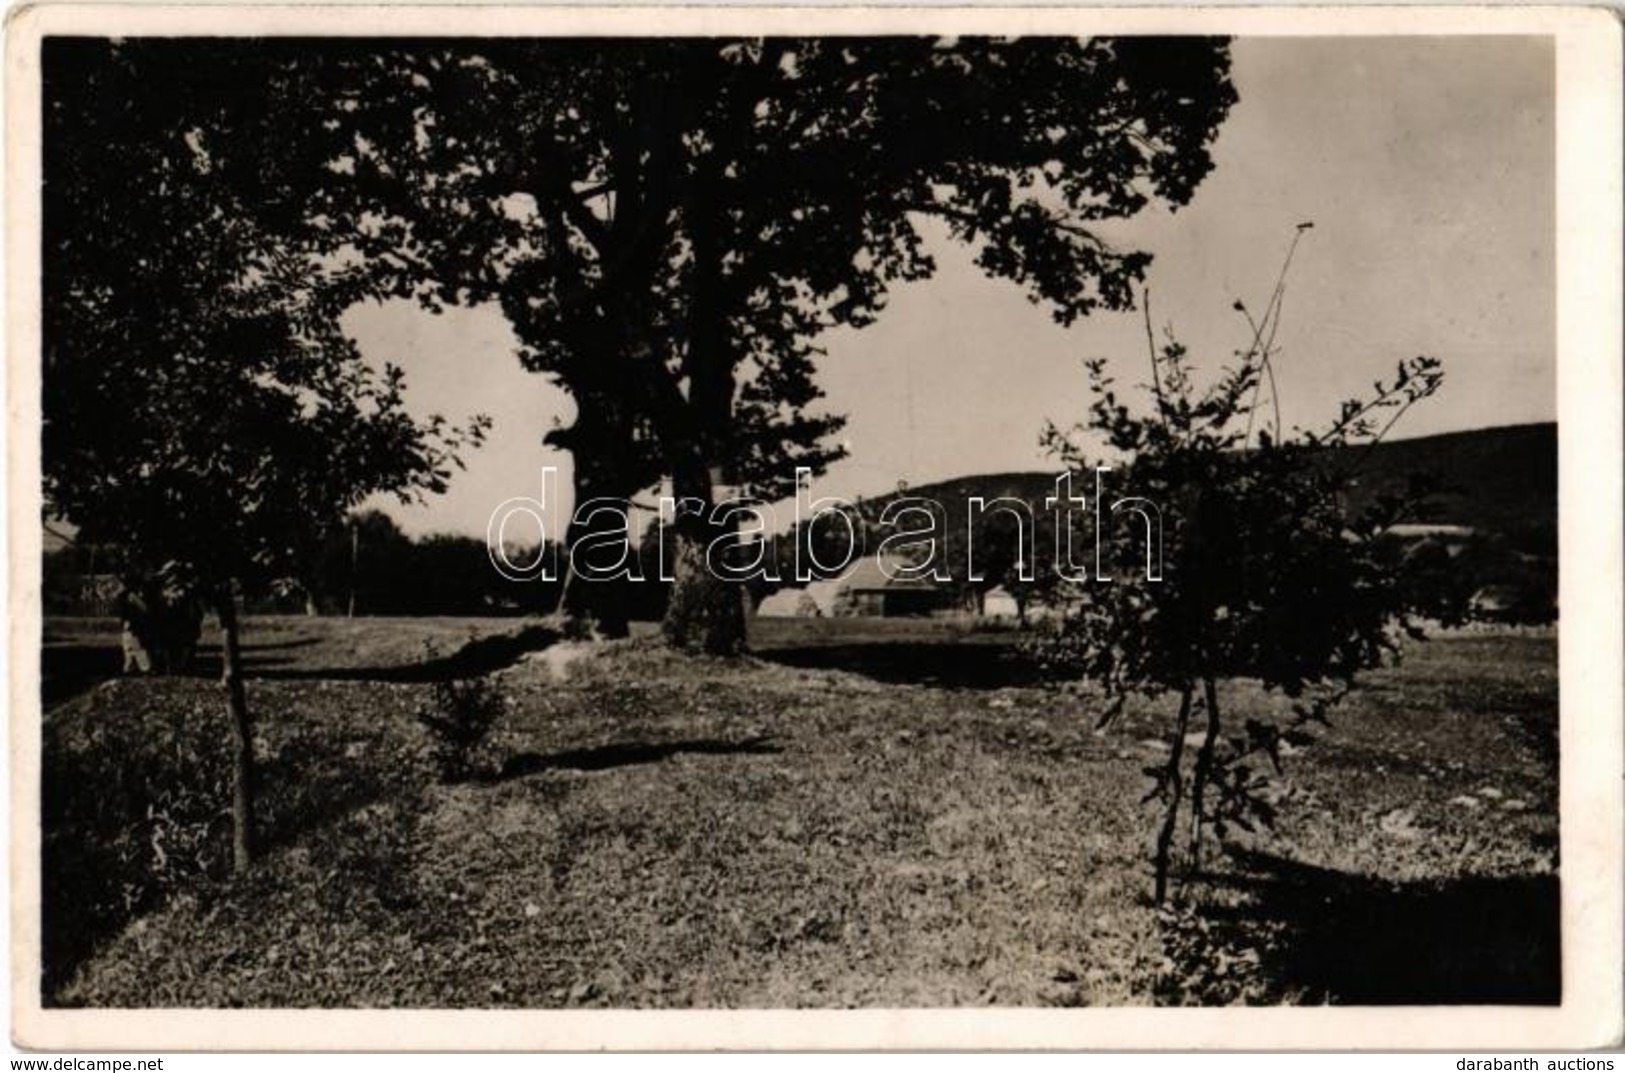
(368, 566)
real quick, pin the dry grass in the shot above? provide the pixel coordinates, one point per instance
(661, 831)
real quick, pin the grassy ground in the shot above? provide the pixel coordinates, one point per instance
(662, 831)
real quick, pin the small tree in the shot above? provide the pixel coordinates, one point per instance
(200, 404)
(1264, 573)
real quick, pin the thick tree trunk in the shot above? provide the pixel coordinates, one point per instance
(242, 733)
(704, 612)
(600, 604)
(1176, 790)
(601, 444)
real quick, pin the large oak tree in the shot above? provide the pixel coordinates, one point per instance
(669, 225)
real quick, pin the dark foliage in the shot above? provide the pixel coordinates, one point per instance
(459, 715)
(370, 567)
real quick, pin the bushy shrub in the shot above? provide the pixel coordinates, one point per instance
(130, 811)
(459, 715)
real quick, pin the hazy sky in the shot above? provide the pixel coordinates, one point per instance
(1427, 166)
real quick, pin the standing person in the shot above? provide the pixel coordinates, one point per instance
(135, 617)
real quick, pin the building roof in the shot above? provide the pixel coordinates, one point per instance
(871, 575)
(1408, 530)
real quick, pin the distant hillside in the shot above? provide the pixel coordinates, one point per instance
(1497, 479)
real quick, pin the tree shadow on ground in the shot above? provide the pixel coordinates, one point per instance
(267, 646)
(480, 656)
(1353, 940)
(946, 664)
(625, 754)
(67, 670)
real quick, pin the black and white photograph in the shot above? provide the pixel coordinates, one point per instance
(726, 512)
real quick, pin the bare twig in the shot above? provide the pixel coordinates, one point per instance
(1151, 349)
(1263, 346)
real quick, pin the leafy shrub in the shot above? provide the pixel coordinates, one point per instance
(127, 817)
(1207, 964)
(459, 715)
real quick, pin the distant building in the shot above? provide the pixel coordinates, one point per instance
(872, 588)
(1417, 530)
(999, 603)
(1421, 541)
(99, 593)
(1494, 601)
(824, 594)
(1514, 603)
(789, 603)
(867, 588)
